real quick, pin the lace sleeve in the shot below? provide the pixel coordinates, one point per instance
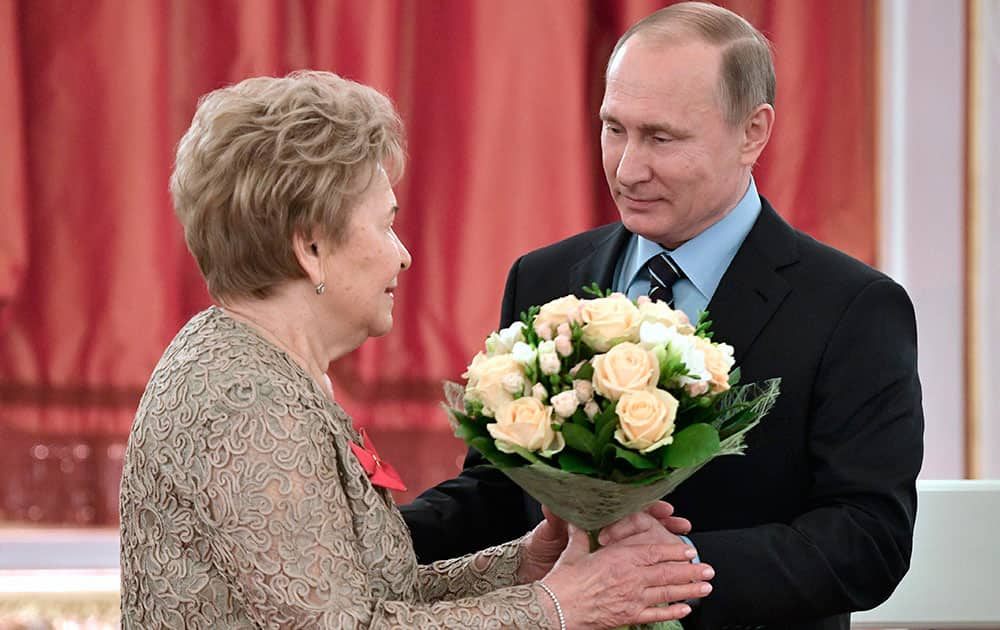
(278, 521)
(471, 575)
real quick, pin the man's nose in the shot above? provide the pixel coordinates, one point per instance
(633, 167)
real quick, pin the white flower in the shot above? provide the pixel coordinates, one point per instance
(584, 390)
(494, 345)
(685, 347)
(549, 363)
(512, 334)
(513, 383)
(548, 360)
(564, 346)
(653, 333)
(523, 353)
(565, 403)
(591, 409)
(538, 391)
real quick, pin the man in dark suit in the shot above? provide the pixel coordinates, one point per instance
(816, 520)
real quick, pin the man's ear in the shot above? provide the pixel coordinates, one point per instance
(307, 250)
(756, 133)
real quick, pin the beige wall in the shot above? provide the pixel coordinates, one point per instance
(921, 194)
(926, 217)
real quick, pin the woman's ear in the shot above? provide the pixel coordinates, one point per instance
(307, 252)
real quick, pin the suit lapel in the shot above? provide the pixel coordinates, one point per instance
(598, 264)
(752, 289)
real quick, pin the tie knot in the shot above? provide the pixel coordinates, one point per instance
(663, 273)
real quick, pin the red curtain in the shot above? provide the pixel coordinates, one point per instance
(500, 102)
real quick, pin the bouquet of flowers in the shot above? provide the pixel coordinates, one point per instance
(599, 407)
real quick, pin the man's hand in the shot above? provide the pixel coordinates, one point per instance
(542, 547)
(664, 512)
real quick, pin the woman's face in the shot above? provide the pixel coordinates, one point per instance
(362, 270)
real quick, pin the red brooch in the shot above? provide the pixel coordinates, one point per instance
(378, 470)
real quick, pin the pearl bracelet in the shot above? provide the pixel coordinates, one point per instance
(559, 612)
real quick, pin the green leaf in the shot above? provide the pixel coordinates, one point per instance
(738, 422)
(526, 454)
(573, 462)
(734, 377)
(605, 424)
(465, 432)
(578, 437)
(638, 460)
(469, 428)
(703, 328)
(586, 372)
(498, 458)
(489, 450)
(473, 408)
(692, 446)
(595, 290)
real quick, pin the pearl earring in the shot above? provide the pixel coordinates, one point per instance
(320, 288)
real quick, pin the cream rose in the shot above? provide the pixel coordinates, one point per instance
(627, 367)
(609, 320)
(557, 312)
(718, 361)
(527, 423)
(646, 419)
(489, 379)
(659, 313)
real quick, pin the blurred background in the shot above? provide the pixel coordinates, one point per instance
(885, 147)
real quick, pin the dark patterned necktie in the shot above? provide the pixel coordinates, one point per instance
(663, 273)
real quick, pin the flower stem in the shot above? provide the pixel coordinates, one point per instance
(592, 535)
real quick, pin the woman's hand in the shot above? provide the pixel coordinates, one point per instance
(544, 544)
(642, 567)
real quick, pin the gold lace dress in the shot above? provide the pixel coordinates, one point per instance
(242, 506)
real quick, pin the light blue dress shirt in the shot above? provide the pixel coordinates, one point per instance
(703, 259)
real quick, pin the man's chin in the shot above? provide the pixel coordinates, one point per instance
(642, 225)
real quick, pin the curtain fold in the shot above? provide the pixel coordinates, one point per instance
(13, 190)
(500, 101)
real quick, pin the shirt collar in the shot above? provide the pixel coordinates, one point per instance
(705, 258)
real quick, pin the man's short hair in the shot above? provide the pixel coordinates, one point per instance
(747, 68)
(271, 157)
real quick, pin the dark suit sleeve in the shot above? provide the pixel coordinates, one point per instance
(851, 546)
(479, 508)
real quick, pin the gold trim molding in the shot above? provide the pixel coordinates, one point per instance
(972, 334)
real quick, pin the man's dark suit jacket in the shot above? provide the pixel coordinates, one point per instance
(817, 518)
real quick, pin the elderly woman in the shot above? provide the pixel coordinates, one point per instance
(245, 502)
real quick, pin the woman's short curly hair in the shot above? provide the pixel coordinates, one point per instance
(271, 157)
